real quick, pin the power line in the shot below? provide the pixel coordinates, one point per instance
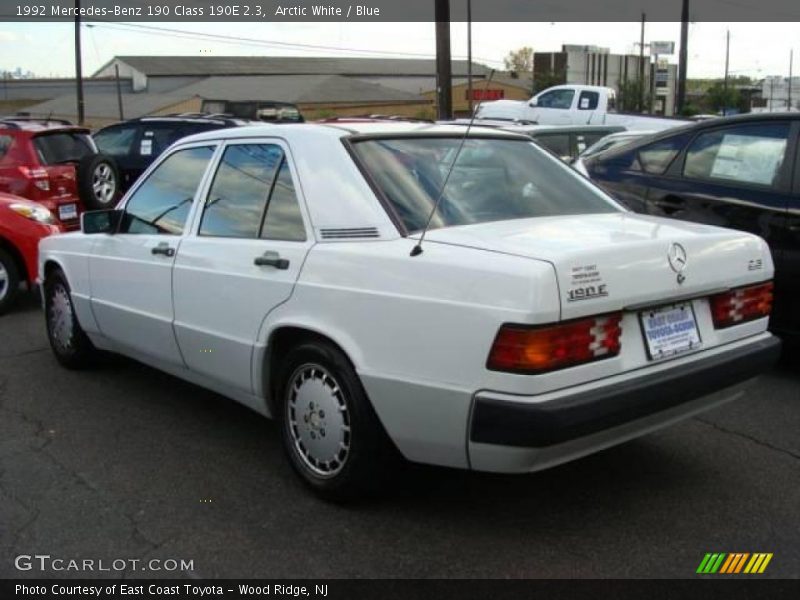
(227, 39)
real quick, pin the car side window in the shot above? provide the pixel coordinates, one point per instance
(284, 220)
(157, 138)
(557, 143)
(657, 157)
(556, 99)
(240, 191)
(116, 141)
(5, 144)
(161, 203)
(588, 100)
(750, 153)
(592, 138)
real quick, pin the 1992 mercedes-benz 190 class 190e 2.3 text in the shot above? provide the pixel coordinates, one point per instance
(540, 322)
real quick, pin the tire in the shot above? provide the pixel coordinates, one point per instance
(330, 432)
(71, 346)
(98, 182)
(9, 281)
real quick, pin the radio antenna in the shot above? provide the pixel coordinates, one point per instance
(417, 249)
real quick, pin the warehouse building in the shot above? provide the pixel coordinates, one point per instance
(320, 87)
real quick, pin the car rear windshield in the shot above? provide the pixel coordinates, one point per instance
(62, 147)
(492, 180)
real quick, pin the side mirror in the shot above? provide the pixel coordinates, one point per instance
(101, 221)
(533, 102)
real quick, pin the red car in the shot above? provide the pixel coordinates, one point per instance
(22, 224)
(57, 165)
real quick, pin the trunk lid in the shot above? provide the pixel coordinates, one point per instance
(609, 262)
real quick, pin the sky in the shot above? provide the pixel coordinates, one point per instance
(756, 50)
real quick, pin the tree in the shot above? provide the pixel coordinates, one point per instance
(542, 81)
(719, 97)
(520, 60)
(630, 96)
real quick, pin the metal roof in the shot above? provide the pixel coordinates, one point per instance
(295, 89)
(106, 105)
(287, 65)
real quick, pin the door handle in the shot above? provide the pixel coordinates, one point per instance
(163, 249)
(271, 259)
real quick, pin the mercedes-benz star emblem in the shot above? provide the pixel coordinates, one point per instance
(677, 257)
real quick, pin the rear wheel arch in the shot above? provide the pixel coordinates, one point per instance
(281, 340)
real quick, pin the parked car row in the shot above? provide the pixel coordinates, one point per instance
(52, 171)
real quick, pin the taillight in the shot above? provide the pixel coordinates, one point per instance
(741, 305)
(522, 349)
(40, 177)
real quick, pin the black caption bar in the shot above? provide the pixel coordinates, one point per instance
(396, 10)
(404, 589)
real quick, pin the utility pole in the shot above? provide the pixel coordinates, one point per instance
(469, 55)
(789, 101)
(444, 77)
(727, 56)
(641, 66)
(78, 62)
(683, 57)
(771, 92)
(119, 92)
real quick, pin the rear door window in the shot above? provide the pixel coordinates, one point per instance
(116, 141)
(241, 187)
(5, 145)
(62, 147)
(588, 100)
(158, 137)
(284, 220)
(658, 156)
(752, 153)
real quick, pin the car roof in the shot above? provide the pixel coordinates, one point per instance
(580, 87)
(210, 120)
(697, 127)
(536, 129)
(366, 129)
(33, 126)
(35, 129)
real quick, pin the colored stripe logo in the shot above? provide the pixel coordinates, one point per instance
(734, 563)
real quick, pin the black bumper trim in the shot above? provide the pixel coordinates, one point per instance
(537, 425)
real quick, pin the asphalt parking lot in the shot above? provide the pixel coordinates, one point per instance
(126, 462)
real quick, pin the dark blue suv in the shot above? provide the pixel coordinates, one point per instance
(740, 172)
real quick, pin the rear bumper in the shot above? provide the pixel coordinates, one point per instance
(53, 205)
(526, 424)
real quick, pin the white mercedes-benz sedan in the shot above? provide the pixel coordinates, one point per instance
(536, 321)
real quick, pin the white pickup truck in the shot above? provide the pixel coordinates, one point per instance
(573, 105)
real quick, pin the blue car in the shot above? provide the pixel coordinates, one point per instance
(741, 172)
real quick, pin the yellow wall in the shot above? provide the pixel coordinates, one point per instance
(192, 105)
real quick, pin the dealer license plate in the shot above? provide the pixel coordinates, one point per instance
(67, 212)
(670, 330)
